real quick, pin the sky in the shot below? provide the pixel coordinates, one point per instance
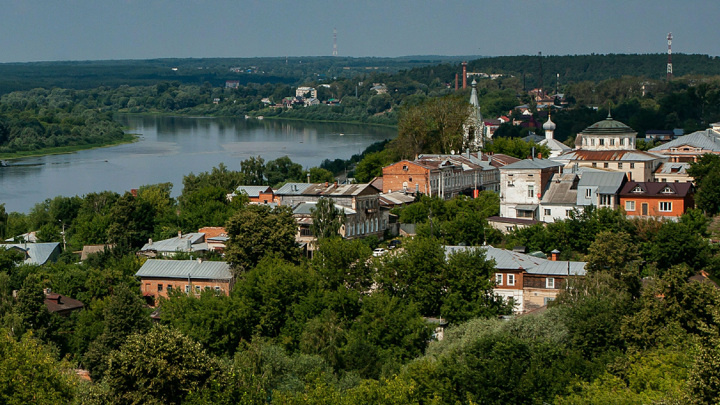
(52, 30)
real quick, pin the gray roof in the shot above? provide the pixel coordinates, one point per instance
(304, 208)
(252, 191)
(189, 242)
(673, 168)
(707, 140)
(532, 164)
(293, 188)
(182, 269)
(554, 144)
(36, 253)
(606, 182)
(509, 260)
(562, 189)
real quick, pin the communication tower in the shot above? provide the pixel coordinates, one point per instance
(335, 42)
(669, 65)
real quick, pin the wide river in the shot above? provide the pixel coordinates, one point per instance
(171, 147)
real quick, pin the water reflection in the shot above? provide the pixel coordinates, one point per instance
(170, 147)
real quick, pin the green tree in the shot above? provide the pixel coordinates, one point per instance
(341, 262)
(327, 219)
(617, 254)
(281, 170)
(159, 366)
(320, 175)
(29, 373)
(132, 222)
(371, 165)
(257, 231)
(706, 173)
(253, 168)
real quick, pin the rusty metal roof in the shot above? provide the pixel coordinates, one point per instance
(610, 155)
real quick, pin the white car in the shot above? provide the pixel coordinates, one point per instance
(379, 252)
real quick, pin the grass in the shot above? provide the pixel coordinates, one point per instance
(57, 150)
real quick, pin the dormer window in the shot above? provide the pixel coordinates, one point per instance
(637, 190)
(405, 167)
(667, 190)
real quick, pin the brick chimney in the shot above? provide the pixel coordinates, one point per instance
(554, 255)
(464, 73)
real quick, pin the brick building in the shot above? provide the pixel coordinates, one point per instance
(657, 199)
(158, 278)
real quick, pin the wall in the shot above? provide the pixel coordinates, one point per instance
(679, 206)
(150, 285)
(395, 177)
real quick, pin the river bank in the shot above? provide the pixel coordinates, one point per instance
(59, 150)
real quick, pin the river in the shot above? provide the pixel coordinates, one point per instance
(171, 147)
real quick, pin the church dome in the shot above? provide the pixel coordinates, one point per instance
(608, 126)
(549, 125)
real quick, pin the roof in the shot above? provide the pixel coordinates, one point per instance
(606, 182)
(554, 144)
(628, 155)
(396, 198)
(292, 188)
(253, 191)
(562, 189)
(36, 253)
(516, 221)
(212, 232)
(305, 208)
(608, 126)
(657, 189)
(185, 269)
(87, 250)
(190, 242)
(61, 304)
(532, 164)
(509, 260)
(533, 138)
(706, 140)
(673, 168)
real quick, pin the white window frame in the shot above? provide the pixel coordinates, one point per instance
(510, 279)
(665, 206)
(629, 205)
(548, 212)
(187, 288)
(549, 282)
(588, 193)
(498, 278)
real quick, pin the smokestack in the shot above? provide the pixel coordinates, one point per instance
(456, 82)
(554, 255)
(464, 70)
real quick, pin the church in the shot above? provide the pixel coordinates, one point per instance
(474, 127)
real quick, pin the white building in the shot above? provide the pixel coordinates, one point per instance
(522, 186)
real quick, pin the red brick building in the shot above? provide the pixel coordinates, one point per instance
(657, 199)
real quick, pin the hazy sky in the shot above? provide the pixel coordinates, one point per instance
(41, 30)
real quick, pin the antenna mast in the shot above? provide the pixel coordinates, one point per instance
(335, 42)
(669, 65)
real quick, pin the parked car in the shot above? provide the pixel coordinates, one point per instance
(379, 252)
(394, 243)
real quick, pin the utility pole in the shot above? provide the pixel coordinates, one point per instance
(669, 64)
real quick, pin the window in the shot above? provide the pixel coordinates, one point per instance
(632, 165)
(605, 199)
(622, 141)
(531, 191)
(169, 288)
(549, 282)
(619, 165)
(594, 164)
(547, 300)
(197, 289)
(405, 167)
(606, 165)
(612, 142)
(665, 206)
(498, 279)
(588, 193)
(160, 287)
(207, 288)
(602, 142)
(187, 288)
(217, 288)
(567, 213)
(547, 212)
(629, 205)
(511, 279)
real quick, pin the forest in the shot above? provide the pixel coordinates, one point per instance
(636, 329)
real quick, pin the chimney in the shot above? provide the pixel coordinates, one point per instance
(326, 184)
(335, 183)
(467, 153)
(539, 155)
(456, 82)
(464, 73)
(150, 241)
(179, 234)
(199, 259)
(629, 176)
(554, 255)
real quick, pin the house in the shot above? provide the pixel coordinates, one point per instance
(36, 253)
(659, 135)
(362, 199)
(610, 145)
(600, 188)
(673, 172)
(158, 278)
(303, 91)
(215, 237)
(306, 238)
(689, 148)
(506, 225)
(311, 101)
(88, 250)
(529, 281)
(232, 84)
(523, 185)
(60, 304)
(30, 237)
(560, 198)
(188, 243)
(657, 199)
(442, 175)
(257, 194)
